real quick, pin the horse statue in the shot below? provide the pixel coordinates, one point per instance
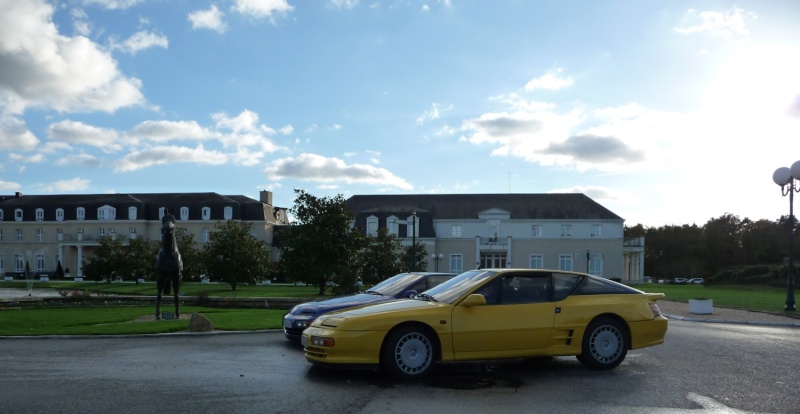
(169, 267)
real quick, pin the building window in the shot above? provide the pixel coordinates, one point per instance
(412, 226)
(565, 262)
(18, 214)
(39, 263)
(59, 214)
(39, 214)
(132, 213)
(112, 232)
(131, 232)
(391, 225)
(227, 213)
(184, 213)
(456, 263)
(372, 226)
(205, 235)
(566, 230)
(1, 214)
(596, 230)
(39, 235)
(1, 235)
(59, 234)
(106, 213)
(596, 264)
(19, 235)
(537, 261)
(161, 211)
(101, 232)
(19, 263)
(81, 213)
(455, 230)
(536, 231)
(206, 212)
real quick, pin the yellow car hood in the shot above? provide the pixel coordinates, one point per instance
(384, 315)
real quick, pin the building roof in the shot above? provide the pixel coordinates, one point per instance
(469, 206)
(244, 208)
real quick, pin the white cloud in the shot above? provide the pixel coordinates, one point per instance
(65, 186)
(14, 135)
(208, 19)
(313, 167)
(140, 41)
(344, 4)
(9, 186)
(549, 81)
(83, 160)
(723, 24)
(163, 131)
(434, 113)
(113, 4)
(43, 68)
(77, 133)
(148, 157)
(260, 9)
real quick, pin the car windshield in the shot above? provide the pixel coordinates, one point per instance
(394, 285)
(456, 287)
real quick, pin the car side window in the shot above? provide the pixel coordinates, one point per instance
(516, 289)
(599, 287)
(563, 285)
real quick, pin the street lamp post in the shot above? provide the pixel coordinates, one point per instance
(785, 177)
(414, 241)
(436, 259)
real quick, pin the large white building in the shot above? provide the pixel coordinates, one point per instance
(466, 231)
(42, 230)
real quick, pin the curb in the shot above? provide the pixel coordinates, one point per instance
(707, 320)
(155, 335)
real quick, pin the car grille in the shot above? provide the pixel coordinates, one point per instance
(316, 352)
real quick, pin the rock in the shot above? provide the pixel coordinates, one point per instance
(199, 323)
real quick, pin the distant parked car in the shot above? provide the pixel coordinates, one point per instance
(695, 281)
(679, 280)
(399, 286)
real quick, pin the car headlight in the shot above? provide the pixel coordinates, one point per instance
(322, 341)
(301, 323)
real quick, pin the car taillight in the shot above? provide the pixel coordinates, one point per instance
(655, 309)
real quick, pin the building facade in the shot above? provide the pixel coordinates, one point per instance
(468, 231)
(43, 230)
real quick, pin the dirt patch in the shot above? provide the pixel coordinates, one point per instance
(150, 318)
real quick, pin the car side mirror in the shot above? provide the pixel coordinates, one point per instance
(475, 299)
(410, 294)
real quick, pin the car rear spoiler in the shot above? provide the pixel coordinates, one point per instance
(653, 297)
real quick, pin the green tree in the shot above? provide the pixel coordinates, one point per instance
(234, 255)
(109, 261)
(381, 258)
(722, 243)
(141, 257)
(191, 256)
(320, 246)
(763, 242)
(421, 254)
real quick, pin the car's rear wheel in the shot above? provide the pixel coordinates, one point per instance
(408, 353)
(605, 344)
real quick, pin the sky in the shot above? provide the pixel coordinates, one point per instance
(665, 112)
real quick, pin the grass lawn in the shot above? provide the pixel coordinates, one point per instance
(187, 289)
(761, 298)
(122, 320)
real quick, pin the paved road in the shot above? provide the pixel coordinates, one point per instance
(703, 368)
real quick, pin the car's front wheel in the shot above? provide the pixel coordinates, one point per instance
(408, 353)
(605, 344)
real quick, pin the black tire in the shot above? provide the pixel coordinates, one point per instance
(408, 353)
(605, 344)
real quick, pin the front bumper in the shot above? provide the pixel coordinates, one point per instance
(294, 325)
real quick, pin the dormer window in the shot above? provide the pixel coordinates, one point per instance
(80, 213)
(391, 225)
(372, 226)
(59, 214)
(228, 213)
(184, 213)
(39, 214)
(161, 211)
(206, 213)
(1, 215)
(106, 213)
(18, 214)
(131, 213)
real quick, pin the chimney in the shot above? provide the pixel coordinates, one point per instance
(265, 197)
(18, 194)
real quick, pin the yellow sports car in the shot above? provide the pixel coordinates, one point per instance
(492, 314)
